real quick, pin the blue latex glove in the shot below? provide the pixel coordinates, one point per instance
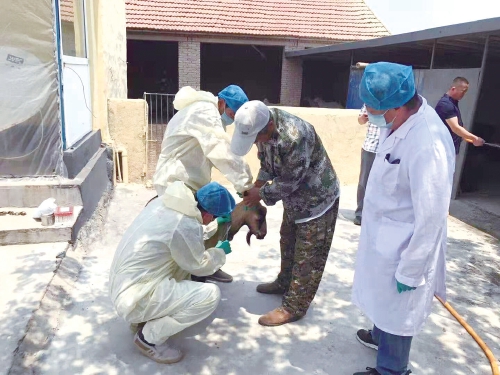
(403, 288)
(224, 219)
(224, 245)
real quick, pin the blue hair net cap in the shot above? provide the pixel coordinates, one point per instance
(215, 199)
(387, 85)
(234, 96)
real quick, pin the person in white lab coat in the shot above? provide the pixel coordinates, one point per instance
(150, 284)
(401, 257)
(195, 141)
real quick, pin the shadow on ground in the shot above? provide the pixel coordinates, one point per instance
(25, 271)
(91, 339)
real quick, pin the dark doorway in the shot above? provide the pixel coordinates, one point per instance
(152, 67)
(324, 80)
(480, 178)
(257, 69)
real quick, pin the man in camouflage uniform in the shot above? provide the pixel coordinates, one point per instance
(295, 168)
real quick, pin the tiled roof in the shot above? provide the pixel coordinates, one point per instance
(66, 7)
(342, 20)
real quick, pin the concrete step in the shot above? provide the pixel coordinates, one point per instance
(93, 182)
(16, 230)
(30, 192)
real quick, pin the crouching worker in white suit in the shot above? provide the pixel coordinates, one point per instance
(150, 282)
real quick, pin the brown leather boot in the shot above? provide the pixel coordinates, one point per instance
(278, 317)
(270, 288)
(220, 276)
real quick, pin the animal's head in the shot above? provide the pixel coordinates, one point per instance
(254, 218)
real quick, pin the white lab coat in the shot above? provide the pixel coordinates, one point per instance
(150, 275)
(403, 233)
(195, 140)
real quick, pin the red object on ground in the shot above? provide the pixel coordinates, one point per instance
(63, 214)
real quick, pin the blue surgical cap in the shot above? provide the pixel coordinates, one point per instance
(215, 199)
(387, 85)
(234, 96)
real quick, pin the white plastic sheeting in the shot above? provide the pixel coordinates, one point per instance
(30, 127)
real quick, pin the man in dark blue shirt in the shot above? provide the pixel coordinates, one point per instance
(448, 111)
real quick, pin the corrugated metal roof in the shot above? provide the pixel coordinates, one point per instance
(467, 36)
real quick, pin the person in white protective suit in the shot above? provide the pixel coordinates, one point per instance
(150, 284)
(195, 141)
(400, 263)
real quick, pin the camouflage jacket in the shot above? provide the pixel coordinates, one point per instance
(297, 168)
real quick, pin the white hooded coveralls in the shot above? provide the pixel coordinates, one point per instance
(403, 233)
(195, 140)
(150, 275)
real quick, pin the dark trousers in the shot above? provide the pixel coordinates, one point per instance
(393, 352)
(304, 251)
(367, 159)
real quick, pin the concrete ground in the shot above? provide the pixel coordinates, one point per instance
(25, 272)
(88, 338)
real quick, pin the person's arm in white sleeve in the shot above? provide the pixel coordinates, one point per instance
(188, 250)
(216, 146)
(431, 175)
(210, 229)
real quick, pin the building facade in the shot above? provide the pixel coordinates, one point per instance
(207, 45)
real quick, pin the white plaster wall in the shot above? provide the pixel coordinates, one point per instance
(114, 46)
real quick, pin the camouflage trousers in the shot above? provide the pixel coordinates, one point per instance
(304, 251)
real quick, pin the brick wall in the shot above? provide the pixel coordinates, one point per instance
(291, 80)
(189, 64)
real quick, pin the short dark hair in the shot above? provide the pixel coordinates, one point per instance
(460, 80)
(413, 102)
